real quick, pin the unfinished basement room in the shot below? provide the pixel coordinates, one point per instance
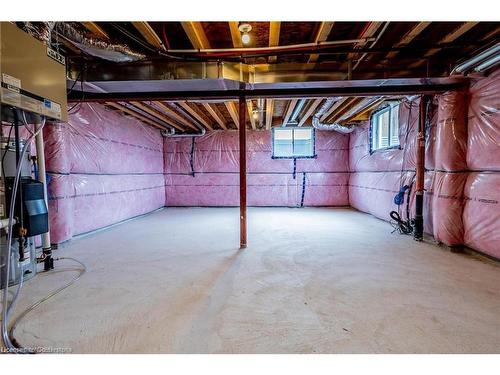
(241, 187)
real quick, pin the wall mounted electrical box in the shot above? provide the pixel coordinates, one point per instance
(33, 76)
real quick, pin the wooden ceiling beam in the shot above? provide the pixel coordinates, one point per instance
(291, 106)
(158, 115)
(310, 110)
(346, 106)
(196, 34)
(235, 34)
(321, 36)
(333, 108)
(95, 29)
(172, 114)
(149, 34)
(363, 114)
(250, 114)
(450, 37)
(269, 113)
(138, 116)
(215, 115)
(195, 114)
(274, 37)
(408, 38)
(233, 112)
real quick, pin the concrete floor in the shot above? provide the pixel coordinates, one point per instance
(312, 280)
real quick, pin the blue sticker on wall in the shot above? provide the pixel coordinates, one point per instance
(47, 103)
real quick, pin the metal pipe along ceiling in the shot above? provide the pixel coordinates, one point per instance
(485, 55)
(303, 47)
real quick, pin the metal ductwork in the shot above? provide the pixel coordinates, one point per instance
(362, 105)
(317, 124)
(482, 61)
(91, 46)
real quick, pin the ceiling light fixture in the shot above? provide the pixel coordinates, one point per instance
(245, 28)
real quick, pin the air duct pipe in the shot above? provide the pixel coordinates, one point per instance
(317, 124)
(92, 46)
(481, 57)
(488, 64)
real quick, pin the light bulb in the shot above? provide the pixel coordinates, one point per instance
(245, 38)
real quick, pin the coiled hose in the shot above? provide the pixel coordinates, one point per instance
(18, 346)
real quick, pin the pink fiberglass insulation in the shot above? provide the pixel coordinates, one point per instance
(481, 215)
(377, 177)
(450, 141)
(204, 171)
(104, 167)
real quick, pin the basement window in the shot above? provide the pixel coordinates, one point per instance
(293, 143)
(384, 127)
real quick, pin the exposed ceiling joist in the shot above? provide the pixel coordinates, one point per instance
(233, 112)
(289, 110)
(195, 114)
(455, 34)
(250, 114)
(368, 32)
(333, 108)
(156, 114)
(342, 109)
(149, 34)
(269, 113)
(135, 114)
(196, 34)
(274, 37)
(321, 36)
(95, 29)
(491, 34)
(362, 114)
(171, 113)
(312, 107)
(408, 38)
(235, 34)
(215, 115)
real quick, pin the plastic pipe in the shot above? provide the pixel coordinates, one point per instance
(4, 223)
(40, 160)
(420, 171)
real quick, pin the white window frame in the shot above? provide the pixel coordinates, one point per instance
(294, 155)
(376, 139)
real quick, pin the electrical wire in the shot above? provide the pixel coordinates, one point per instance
(19, 347)
(6, 307)
(6, 149)
(400, 225)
